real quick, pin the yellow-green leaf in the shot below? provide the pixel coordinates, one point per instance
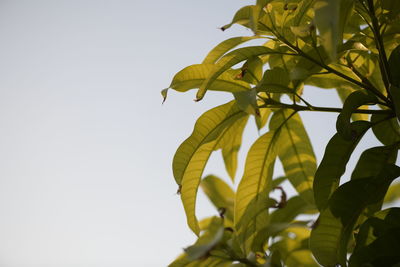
(251, 210)
(296, 154)
(192, 155)
(225, 46)
(193, 77)
(220, 194)
(229, 60)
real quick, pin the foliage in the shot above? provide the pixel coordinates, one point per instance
(348, 45)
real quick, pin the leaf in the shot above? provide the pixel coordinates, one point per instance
(207, 241)
(218, 51)
(192, 155)
(296, 154)
(343, 93)
(378, 240)
(251, 70)
(333, 164)
(373, 160)
(246, 16)
(253, 190)
(393, 193)
(230, 146)
(229, 60)
(327, 21)
(351, 104)
(247, 101)
(193, 76)
(385, 128)
(329, 239)
(394, 89)
(220, 194)
(275, 80)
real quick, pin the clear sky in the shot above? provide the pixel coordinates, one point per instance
(85, 144)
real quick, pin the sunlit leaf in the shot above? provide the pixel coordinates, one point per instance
(251, 210)
(192, 155)
(229, 60)
(333, 164)
(275, 80)
(230, 145)
(220, 194)
(296, 153)
(225, 46)
(193, 77)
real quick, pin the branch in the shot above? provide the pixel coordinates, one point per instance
(273, 104)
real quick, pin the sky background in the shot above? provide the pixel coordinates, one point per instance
(85, 144)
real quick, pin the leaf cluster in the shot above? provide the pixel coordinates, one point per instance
(351, 46)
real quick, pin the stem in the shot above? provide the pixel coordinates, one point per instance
(321, 109)
(326, 67)
(383, 61)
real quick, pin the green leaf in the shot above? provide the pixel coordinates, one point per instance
(246, 16)
(333, 164)
(192, 155)
(275, 80)
(329, 239)
(230, 145)
(252, 70)
(296, 154)
(344, 92)
(207, 241)
(327, 14)
(247, 101)
(373, 160)
(385, 128)
(351, 104)
(229, 60)
(222, 48)
(378, 240)
(251, 209)
(193, 77)
(220, 194)
(394, 61)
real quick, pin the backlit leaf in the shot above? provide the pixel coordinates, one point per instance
(296, 154)
(386, 128)
(192, 155)
(333, 164)
(229, 60)
(193, 77)
(220, 194)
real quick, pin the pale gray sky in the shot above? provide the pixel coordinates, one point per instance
(85, 144)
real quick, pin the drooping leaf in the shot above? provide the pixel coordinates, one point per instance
(386, 129)
(225, 46)
(344, 92)
(192, 155)
(193, 76)
(333, 164)
(220, 194)
(296, 154)
(245, 16)
(230, 145)
(352, 102)
(329, 239)
(229, 60)
(251, 209)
